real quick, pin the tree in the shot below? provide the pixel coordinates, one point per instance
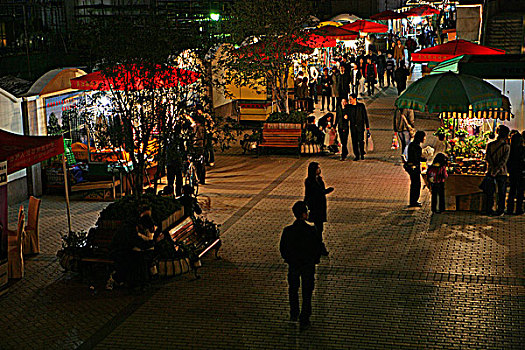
(268, 32)
(150, 100)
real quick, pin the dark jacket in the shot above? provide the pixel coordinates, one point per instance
(315, 197)
(343, 85)
(371, 72)
(414, 155)
(300, 244)
(516, 162)
(326, 85)
(358, 117)
(400, 75)
(381, 63)
(190, 204)
(497, 155)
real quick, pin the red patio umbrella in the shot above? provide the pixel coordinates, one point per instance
(386, 15)
(453, 49)
(133, 77)
(336, 33)
(421, 11)
(313, 41)
(365, 26)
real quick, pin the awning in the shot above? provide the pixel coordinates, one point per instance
(23, 151)
(485, 66)
(134, 77)
(453, 49)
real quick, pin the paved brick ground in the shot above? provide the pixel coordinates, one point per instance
(395, 278)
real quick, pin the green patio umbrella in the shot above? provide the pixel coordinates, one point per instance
(450, 92)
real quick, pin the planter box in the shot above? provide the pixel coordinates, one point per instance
(166, 223)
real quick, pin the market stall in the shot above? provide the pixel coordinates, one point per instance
(466, 104)
(18, 152)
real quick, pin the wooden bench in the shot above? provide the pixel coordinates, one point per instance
(185, 233)
(281, 135)
(98, 185)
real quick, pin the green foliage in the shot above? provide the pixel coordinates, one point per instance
(292, 117)
(461, 133)
(127, 208)
(207, 228)
(442, 131)
(472, 146)
(74, 241)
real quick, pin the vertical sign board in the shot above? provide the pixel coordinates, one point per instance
(3, 227)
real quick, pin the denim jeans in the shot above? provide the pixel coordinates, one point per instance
(501, 187)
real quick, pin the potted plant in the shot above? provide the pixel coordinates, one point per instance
(286, 120)
(74, 244)
(461, 134)
(442, 133)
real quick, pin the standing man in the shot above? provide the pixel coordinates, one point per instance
(399, 52)
(358, 120)
(371, 74)
(313, 76)
(390, 68)
(343, 85)
(400, 76)
(381, 65)
(342, 122)
(497, 155)
(404, 126)
(301, 250)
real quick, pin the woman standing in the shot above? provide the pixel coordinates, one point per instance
(334, 93)
(414, 162)
(315, 197)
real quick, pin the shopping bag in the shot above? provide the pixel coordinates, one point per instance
(395, 143)
(369, 144)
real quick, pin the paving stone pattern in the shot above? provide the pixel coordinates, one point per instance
(396, 278)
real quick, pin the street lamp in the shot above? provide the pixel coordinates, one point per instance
(215, 16)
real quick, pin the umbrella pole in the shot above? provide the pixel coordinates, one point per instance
(66, 188)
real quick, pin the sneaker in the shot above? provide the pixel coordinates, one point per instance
(415, 205)
(356, 159)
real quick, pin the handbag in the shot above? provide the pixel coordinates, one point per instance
(411, 130)
(369, 144)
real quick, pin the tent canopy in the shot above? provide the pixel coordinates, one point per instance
(134, 77)
(453, 49)
(344, 17)
(23, 151)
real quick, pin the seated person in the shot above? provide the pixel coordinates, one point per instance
(317, 136)
(191, 206)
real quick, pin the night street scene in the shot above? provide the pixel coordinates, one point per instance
(262, 174)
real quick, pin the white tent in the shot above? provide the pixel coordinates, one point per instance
(345, 17)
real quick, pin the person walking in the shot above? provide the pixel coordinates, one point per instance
(313, 75)
(414, 160)
(400, 76)
(411, 46)
(355, 77)
(362, 80)
(371, 75)
(496, 156)
(301, 250)
(437, 175)
(358, 120)
(326, 89)
(390, 68)
(516, 168)
(315, 197)
(334, 93)
(404, 126)
(343, 126)
(399, 52)
(381, 66)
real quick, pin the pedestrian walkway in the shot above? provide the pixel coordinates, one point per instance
(396, 278)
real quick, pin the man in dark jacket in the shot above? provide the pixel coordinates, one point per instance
(342, 122)
(497, 155)
(343, 84)
(381, 66)
(400, 76)
(358, 120)
(301, 250)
